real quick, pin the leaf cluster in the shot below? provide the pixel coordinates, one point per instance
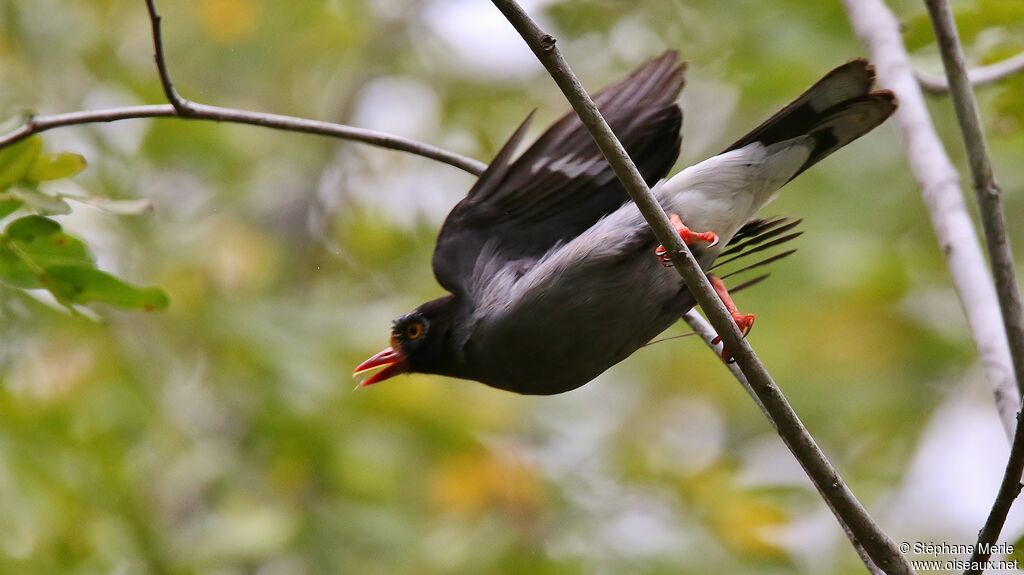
(35, 250)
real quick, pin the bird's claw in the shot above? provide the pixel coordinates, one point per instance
(689, 238)
(745, 322)
(663, 256)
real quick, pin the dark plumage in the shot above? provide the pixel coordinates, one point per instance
(562, 184)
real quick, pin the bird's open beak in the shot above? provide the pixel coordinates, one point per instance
(393, 361)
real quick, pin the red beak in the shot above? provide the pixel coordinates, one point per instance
(392, 359)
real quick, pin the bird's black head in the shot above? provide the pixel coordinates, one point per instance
(421, 342)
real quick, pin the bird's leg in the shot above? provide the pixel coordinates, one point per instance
(688, 236)
(743, 321)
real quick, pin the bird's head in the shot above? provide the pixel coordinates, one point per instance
(421, 342)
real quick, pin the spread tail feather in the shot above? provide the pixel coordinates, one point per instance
(835, 111)
(756, 237)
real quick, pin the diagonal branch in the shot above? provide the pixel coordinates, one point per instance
(935, 84)
(702, 328)
(879, 31)
(878, 545)
(189, 110)
(1000, 254)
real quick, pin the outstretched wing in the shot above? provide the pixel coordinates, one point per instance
(562, 184)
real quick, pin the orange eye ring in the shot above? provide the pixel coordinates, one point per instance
(414, 330)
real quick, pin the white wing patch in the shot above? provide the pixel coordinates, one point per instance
(570, 166)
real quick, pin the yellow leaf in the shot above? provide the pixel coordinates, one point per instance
(478, 481)
(228, 21)
(55, 167)
(745, 525)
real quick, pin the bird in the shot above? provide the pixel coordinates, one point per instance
(553, 276)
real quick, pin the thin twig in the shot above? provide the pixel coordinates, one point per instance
(1000, 254)
(183, 106)
(39, 124)
(935, 84)
(880, 547)
(186, 109)
(702, 328)
(957, 237)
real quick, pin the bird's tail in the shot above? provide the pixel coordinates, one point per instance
(838, 109)
(760, 242)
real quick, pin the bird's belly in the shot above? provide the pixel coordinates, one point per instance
(702, 210)
(580, 326)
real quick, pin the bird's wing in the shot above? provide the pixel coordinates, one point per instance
(519, 209)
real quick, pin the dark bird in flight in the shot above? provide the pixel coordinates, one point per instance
(549, 266)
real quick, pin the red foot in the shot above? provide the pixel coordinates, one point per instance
(688, 236)
(743, 321)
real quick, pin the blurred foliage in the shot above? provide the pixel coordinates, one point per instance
(36, 253)
(992, 30)
(222, 435)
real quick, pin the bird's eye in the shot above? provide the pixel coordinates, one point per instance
(414, 330)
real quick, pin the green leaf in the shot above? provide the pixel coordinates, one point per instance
(15, 272)
(8, 207)
(31, 226)
(17, 160)
(82, 284)
(32, 243)
(45, 241)
(55, 166)
(35, 252)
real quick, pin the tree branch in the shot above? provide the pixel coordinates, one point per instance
(1000, 254)
(879, 31)
(935, 84)
(186, 109)
(879, 546)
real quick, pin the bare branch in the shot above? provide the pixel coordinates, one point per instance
(180, 104)
(879, 546)
(38, 124)
(935, 84)
(186, 109)
(1000, 254)
(702, 328)
(879, 30)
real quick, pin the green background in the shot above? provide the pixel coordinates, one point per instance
(222, 435)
